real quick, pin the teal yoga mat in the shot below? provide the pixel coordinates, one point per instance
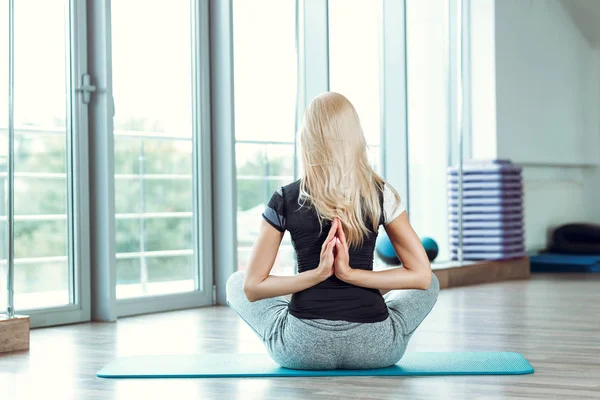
(261, 365)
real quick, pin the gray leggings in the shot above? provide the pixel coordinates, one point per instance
(323, 344)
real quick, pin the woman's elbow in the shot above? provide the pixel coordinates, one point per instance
(425, 280)
(250, 292)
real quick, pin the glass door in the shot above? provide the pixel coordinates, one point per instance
(354, 64)
(4, 41)
(156, 140)
(429, 146)
(265, 77)
(50, 139)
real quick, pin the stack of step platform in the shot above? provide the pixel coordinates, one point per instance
(492, 210)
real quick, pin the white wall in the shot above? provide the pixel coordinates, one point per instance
(553, 196)
(546, 84)
(547, 102)
(591, 188)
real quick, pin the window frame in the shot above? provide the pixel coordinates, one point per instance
(105, 305)
(202, 295)
(78, 249)
(215, 198)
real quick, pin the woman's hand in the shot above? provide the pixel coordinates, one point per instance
(260, 284)
(416, 269)
(342, 258)
(326, 264)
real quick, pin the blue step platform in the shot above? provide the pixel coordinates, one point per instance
(550, 262)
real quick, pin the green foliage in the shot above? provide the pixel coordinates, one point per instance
(255, 192)
(46, 153)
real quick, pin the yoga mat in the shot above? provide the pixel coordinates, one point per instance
(487, 233)
(488, 256)
(488, 217)
(487, 185)
(486, 178)
(487, 193)
(552, 262)
(261, 365)
(490, 248)
(482, 201)
(494, 209)
(489, 240)
(516, 224)
(478, 168)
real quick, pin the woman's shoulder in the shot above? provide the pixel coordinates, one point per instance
(291, 190)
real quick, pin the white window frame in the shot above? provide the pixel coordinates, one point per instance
(105, 305)
(313, 79)
(92, 182)
(77, 181)
(203, 294)
(393, 89)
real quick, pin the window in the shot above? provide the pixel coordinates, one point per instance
(154, 141)
(354, 58)
(3, 156)
(265, 77)
(428, 150)
(44, 240)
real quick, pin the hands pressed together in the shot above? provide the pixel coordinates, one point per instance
(335, 259)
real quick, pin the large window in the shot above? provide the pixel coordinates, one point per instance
(265, 76)
(354, 27)
(154, 67)
(3, 155)
(428, 118)
(43, 131)
(154, 141)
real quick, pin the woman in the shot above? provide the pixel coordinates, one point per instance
(338, 316)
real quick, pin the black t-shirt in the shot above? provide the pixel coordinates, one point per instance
(331, 299)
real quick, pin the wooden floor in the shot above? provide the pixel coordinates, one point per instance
(553, 320)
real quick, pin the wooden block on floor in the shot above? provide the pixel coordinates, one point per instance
(442, 276)
(14, 333)
(483, 272)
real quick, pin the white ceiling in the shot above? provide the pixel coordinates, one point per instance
(586, 14)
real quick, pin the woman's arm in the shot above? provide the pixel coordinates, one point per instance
(258, 284)
(416, 273)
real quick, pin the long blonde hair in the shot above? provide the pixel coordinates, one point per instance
(338, 180)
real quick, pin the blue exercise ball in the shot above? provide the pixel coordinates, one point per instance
(431, 248)
(385, 251)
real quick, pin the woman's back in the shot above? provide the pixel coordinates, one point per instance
(331, 299)
(337, 317)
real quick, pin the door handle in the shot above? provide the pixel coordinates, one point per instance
(86, 88)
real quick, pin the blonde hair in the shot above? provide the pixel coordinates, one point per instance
(338, 180)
